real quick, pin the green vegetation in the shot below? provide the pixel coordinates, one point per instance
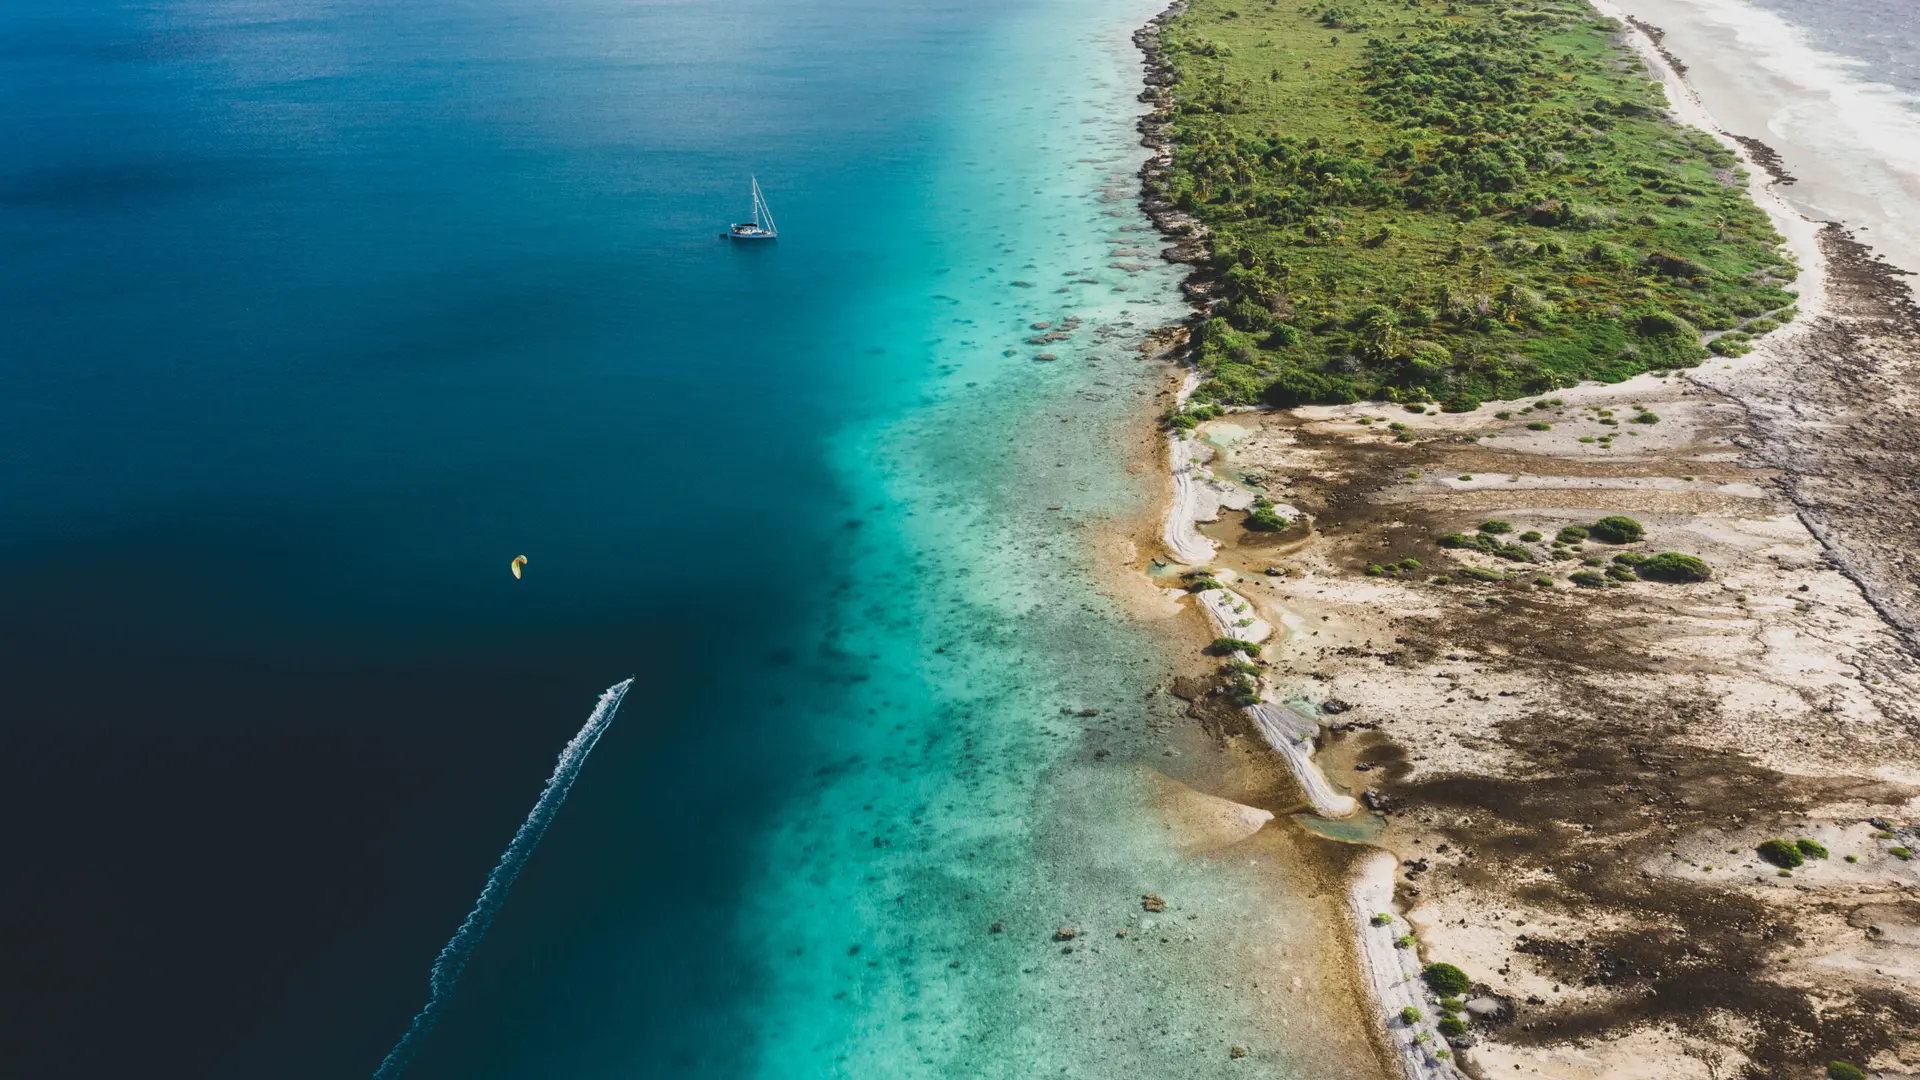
(1451, 1005)
(1572, 534)
(1451, 1026)
(1587, 579)
(1496, 526)
(1812, 849)
(1781, 854)
(1478, 574)
(1409, 1015)
(1382, 919)
(1531, 536)
(1617, 530)
(1446, 980)
(1673, 567)
(1900, 853)
(1485, 543)
(1263, 518)
(1840, 1070)
(1449, 201)
(1221, 646)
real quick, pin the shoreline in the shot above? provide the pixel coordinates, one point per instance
(1197, 498)
(1872, 292)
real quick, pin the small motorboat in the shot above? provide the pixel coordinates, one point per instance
(762, 226)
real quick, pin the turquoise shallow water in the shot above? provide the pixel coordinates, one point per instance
(324, 312)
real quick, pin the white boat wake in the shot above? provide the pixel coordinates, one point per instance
(453, 957)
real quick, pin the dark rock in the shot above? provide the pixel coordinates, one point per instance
(1333, 706)
(996, 928)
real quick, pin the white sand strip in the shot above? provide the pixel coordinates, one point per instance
(1292, 734)
(1229, 609)
(1393, 974)
(1197, 496)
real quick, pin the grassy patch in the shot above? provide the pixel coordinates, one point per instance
(1617, 530)
(1455, 202)
(1671, 566)
(1781, 853)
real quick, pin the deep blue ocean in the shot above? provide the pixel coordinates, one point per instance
(315, 313)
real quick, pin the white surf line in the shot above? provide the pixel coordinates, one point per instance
(1800, 231)
(1393, 974)
(454, 955)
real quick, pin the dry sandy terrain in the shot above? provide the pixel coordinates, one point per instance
(1585, 772)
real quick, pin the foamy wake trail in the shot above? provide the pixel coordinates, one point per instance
(453, 957)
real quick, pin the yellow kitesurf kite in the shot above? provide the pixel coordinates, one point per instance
(518, 562)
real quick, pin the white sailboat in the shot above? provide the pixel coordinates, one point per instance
(762, 226)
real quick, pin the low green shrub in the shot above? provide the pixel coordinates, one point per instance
(1587, 579)
(1381, 919)
(1617, 530)
(1531, 536)
(1202, 584)
(1900, 853)
(1539, 425)
(1572, 534)
(1478, 574)
(1812, 849)
(1452, 1027)
(1263, 518)
(1409, 1015)
(1671, 566)
(1495, 525)
(1221, 646)
(1780, 853)
(1841, 1070)
(1446, 980)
